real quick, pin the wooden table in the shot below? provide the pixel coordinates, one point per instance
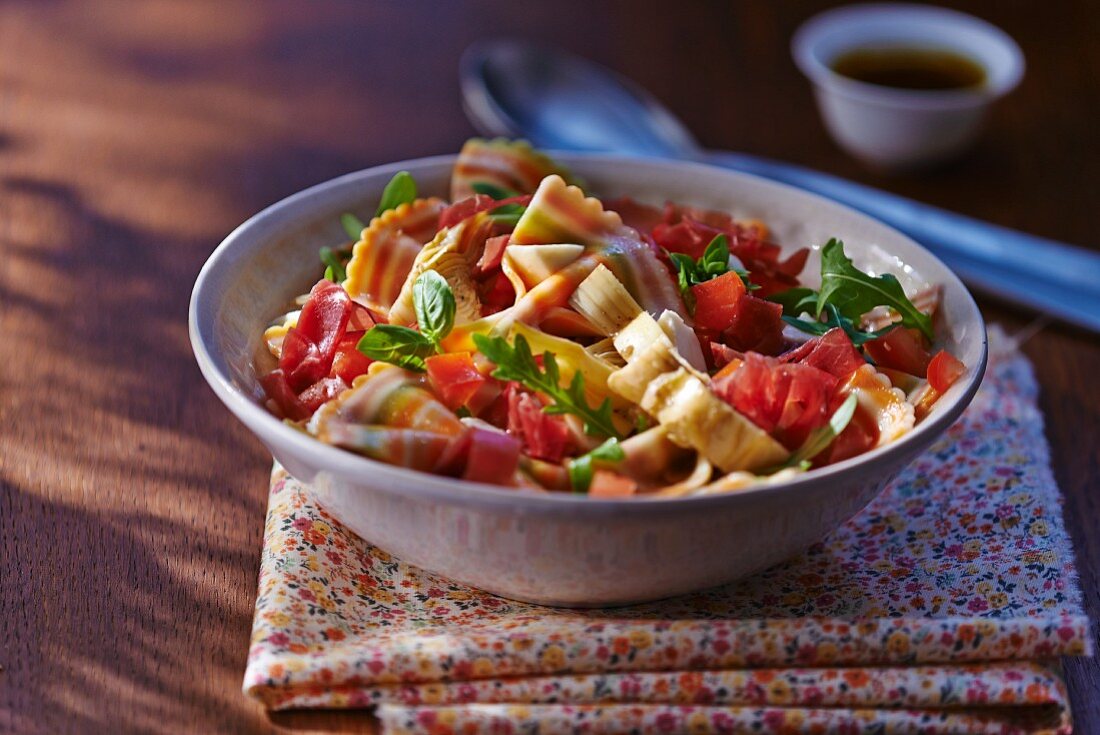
(133, 137)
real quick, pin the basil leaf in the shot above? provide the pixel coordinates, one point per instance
(352, 225)
(397, 345)
(796, 301)
(435, 305)
(855, 293)
(335, 271)
(492, 190)
(400, 190)
(582, 468)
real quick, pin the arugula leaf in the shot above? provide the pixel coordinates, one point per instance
(836, 319)
(515, 362)
(335, 271)
(581, 469)
(352, 225)
(795, 301)
(492, 190)
(821, 437)
(507, 218)
(435, 305)
(855, 293)
(400, 346)
(400, 190)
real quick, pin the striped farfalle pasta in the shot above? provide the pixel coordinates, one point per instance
(523, 335)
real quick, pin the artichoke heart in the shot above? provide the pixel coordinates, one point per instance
(604, 301)
(694, 417)
(451, 254)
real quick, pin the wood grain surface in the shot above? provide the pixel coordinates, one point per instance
(133, 137)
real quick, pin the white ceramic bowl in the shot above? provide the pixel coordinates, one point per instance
(557, 548)
(901, 128)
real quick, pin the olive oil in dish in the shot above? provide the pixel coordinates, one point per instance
(913, 68)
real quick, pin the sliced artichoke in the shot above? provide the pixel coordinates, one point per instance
(604, 300)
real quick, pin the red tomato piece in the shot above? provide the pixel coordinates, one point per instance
(309, 347)
(496, 293)
(786, 400)
(349, 363)
(900, 349)
(608, 484)
(544, 436)
(492, 254)
(493, 457)
(943, 370)
(280, 393)
(454, 378)
(716, 301)
(755, 325)
(321, 392)
(832, 352)
(860, 435)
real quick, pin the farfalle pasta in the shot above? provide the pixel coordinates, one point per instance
(533, 335)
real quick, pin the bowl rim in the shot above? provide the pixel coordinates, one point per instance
(1002, 80)
(427, 486)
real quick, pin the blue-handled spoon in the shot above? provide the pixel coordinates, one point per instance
(556, 100)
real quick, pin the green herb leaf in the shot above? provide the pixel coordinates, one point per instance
(352, 225)
(716, 258)
(855, 293)
(435, 305)
(400, 190)
(511, 219)
(822, 437)
(397, 345)
(515, 362)
(836, 319)
(582, 468)
(335, 271)
(796, 301)
(492, 190)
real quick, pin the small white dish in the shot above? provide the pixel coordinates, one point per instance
(560, 548)
(893, 128)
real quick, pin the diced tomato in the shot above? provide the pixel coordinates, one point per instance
(280, 393)
(900, 349)
(756, 326)
(716, 300)
(309, 347)
(454, 378)
(492, 254)
(786, 400)
(349, 363)
(859, 436)
(493, 457)
(321, 392)
(943, 370)
(544, 436)
(496, 293)
(608, 484)
(466, 208)
(832, 352)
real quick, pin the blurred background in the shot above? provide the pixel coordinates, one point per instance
(135, 136)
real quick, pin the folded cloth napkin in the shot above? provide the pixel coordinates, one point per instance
(939, 608)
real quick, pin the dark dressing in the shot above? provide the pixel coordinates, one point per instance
(910, 68)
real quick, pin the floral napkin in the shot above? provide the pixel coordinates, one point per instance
(939, 608)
